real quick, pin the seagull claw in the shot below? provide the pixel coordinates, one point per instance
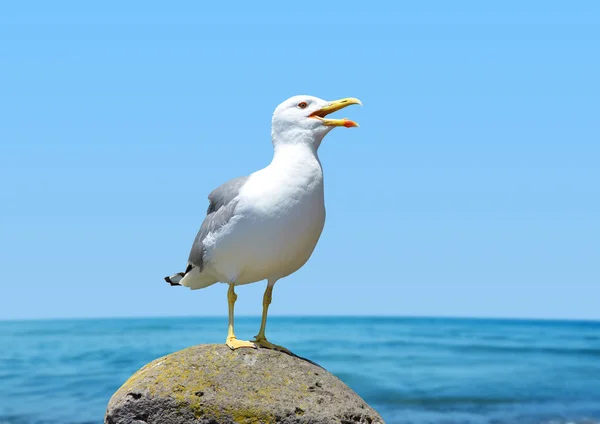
(265, 344)
(234, 344)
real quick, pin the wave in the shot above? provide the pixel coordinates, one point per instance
(448, 400)
(491, 348)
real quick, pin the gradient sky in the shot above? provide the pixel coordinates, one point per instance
(472, 187)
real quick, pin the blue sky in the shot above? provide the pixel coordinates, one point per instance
(472, 187)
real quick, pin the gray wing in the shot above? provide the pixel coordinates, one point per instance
(223, 200)
(222, 195)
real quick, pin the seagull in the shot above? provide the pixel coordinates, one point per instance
(265, 226)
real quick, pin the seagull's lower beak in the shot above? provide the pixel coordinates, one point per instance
(333, 107)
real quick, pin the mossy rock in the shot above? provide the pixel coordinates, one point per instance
(211, 384)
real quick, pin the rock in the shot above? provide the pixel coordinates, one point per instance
(211, 384)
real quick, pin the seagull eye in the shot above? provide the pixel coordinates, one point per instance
(302, 105)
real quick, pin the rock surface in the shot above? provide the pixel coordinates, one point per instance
(212, 384)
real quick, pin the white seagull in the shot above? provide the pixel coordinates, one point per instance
(266, 225)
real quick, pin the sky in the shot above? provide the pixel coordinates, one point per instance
(471, 188)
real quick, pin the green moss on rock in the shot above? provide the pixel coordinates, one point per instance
(212, 384)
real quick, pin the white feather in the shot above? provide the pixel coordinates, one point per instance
(280, 210)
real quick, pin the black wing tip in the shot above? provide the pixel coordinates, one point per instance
(168, 280)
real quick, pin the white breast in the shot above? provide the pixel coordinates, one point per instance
(279, 219)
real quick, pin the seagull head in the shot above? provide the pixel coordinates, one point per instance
(303, 119)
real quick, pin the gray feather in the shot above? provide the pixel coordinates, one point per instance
(220, 210)
(225, 193)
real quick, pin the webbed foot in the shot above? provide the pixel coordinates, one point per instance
(234, 343)
(264, 343)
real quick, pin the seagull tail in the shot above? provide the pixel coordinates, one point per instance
(175, 279)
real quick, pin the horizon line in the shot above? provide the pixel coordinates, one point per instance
(416, 317)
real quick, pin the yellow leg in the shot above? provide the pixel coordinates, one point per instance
(260, 339)
(232, 341)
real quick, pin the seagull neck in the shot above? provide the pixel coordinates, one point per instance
(284, 154)
(295, 137)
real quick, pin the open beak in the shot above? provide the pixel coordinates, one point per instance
(333, 107)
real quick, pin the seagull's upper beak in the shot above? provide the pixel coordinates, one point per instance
(333, 107)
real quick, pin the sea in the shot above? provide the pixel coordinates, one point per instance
(411, 370)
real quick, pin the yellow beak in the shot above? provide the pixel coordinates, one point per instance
(333, 107)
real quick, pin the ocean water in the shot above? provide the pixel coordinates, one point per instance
(411, 370)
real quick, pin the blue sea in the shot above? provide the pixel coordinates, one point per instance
(411, 370)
